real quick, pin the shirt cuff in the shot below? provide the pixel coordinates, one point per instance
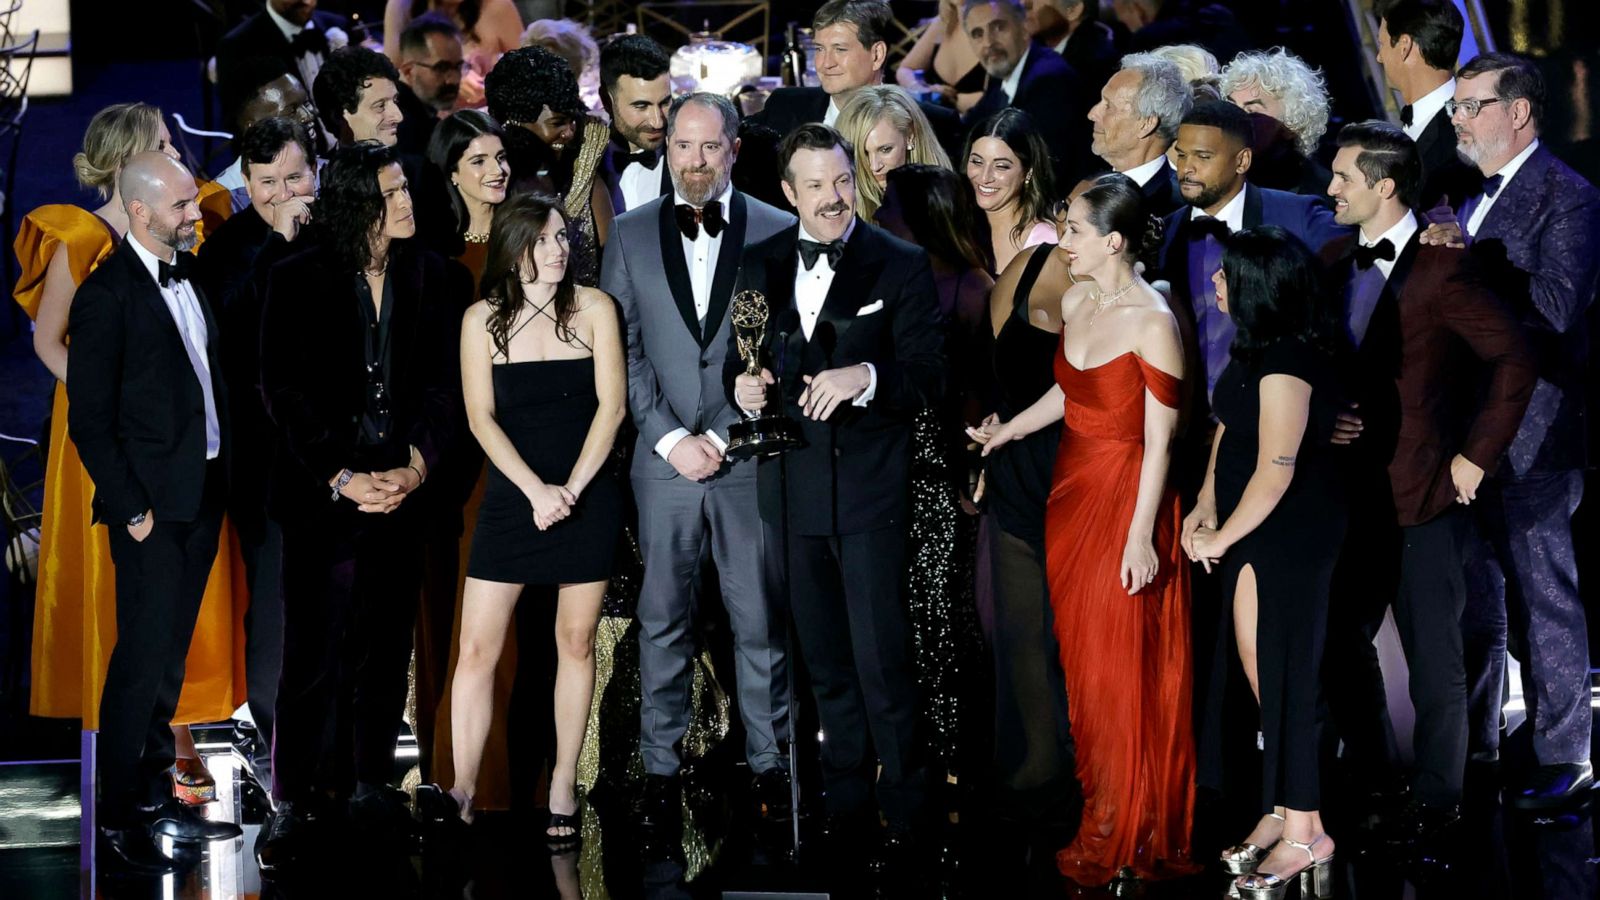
(669, 441)
(872, 386)
(713, 437)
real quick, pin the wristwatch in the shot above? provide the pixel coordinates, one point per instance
(138, 520)
(344, 478)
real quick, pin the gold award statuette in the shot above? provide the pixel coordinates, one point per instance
(768, 433)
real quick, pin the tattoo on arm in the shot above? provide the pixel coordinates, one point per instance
(1283, 461)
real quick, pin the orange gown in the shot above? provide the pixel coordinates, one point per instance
(75, 621)
(1126, 658)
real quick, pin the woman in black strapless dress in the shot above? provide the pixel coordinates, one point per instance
(545, 380)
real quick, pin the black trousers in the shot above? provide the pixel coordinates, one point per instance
(855, 640)
(350, 587)
(160, 582)
(261, 547)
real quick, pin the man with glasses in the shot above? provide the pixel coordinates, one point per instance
(1535, 231)
(431, 63)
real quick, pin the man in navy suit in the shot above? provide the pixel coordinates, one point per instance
(1030, 76)
(1535, 231)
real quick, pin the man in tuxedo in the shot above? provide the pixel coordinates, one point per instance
(853, 350)
(360, 376)
(356, 95)
(1535, 230)
(1426, 328)
(1418, 42)
(1030, 76)
(691, 499)
(1073, 29)
(1136, 121)
(148, 413)
(278, 160)
(293, 31)
(636, 89)
(852, 40)
(430, 78)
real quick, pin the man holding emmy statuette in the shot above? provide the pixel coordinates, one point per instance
(691, 496)
(852, 350)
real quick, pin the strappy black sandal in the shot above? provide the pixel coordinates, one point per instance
(561, 843)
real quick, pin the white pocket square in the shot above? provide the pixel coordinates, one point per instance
(870, 308)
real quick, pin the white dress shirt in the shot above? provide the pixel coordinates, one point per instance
(1014, 80)
(1142, 173)
(309, 63)
(640, 185)
(184, 306)
(1506, 173)
(832, 114)
(811, 291)
(1428, 106)
(701, 256)
(1231, 215)
(1399, 235)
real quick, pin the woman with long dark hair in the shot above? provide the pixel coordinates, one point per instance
(545, 381)
(1119, 588)
(1271, 484)
(1013, 182)
(932, 207)
(468, 149)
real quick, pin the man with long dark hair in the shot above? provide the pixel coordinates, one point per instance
(359, 374)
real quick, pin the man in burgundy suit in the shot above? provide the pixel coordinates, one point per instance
(1417, 315)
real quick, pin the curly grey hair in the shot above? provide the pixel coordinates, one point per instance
(1301, 89)
(1163, 92)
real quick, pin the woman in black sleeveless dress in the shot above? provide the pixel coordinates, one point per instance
(1273, 487)
(545, 381)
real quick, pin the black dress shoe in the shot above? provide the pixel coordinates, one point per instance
(383, 813)
(1419, 822)
(285, 837)
(1549, 787)
(186, 825)
(132, 850)
(771, 792)
(661, 808)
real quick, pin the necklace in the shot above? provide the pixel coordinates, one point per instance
(1103, 301)
(475, 237)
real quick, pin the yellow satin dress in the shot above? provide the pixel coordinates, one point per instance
(75, 612)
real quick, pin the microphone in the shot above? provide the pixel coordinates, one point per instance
(788, 322)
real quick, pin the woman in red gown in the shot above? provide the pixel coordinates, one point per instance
(1118, 581)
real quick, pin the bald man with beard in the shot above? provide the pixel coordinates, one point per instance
(148, 412)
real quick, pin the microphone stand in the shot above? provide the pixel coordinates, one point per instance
(788, 610)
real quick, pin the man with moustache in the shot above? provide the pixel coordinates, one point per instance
(294, 32)
(1417, 315)
(1418, 42)
(853, 351)
(692, 501)
(430, 78)
(1136, 121)
(360, 377)
(636, 89)
(356, 94)
(148, 413)
(1535, 231)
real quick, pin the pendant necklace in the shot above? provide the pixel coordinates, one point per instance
(1104, 302)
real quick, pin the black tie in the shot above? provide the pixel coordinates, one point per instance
(1366, 256)
(178, 269)
(1406, 115)
(646, 158)
(690, 219)
(810, 250)
(309, 40)
(1492, 184)
(1210, 226)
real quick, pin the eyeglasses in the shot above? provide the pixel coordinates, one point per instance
(444, 68)
(1470, 107)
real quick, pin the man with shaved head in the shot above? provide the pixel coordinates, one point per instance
(148, 413)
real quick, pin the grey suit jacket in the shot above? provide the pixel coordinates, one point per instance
(675, 366)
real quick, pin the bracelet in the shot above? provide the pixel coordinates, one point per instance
(420, 478)
(344, 479)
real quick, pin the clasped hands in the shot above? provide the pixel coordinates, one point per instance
(381, 492)
(824, 391)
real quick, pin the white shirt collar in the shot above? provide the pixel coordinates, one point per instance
(1014, 80)
(149, 259)
(1061, 48)
(1428, 106)
(1142, 173)
(832, 114)
(1509, 170)
(288, 28)
(1231, 215)
(848, 230)
(1399, 234)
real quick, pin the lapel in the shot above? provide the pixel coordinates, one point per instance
(150, 292)
(728, 257)
(858, 271)
(1515, 201)
(1432, 136)
(1252, 206)
(676, 267)
(666, 175)
(819, 100)
(781, 268)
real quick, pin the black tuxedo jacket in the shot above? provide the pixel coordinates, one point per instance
(255, 37)
(1160, 193)
(417, 122)
(790, 107)
(137, 411)
(1051, 92)
(1447, 179)
(853, 474)
(615, 160)
(1092, 50)
(313, 371)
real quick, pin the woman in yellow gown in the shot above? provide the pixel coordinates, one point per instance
(75, 623)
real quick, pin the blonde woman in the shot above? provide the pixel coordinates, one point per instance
(888, 130)
(75, 623)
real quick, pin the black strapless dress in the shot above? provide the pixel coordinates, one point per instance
(546, 407)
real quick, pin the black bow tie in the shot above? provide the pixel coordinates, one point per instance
(1366, 256)
(690, 219)
(180, 268)
(1407, 116)
(1208, 226)
(647, 158)
(1491, 185)
(810, 250)
(309, 40)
